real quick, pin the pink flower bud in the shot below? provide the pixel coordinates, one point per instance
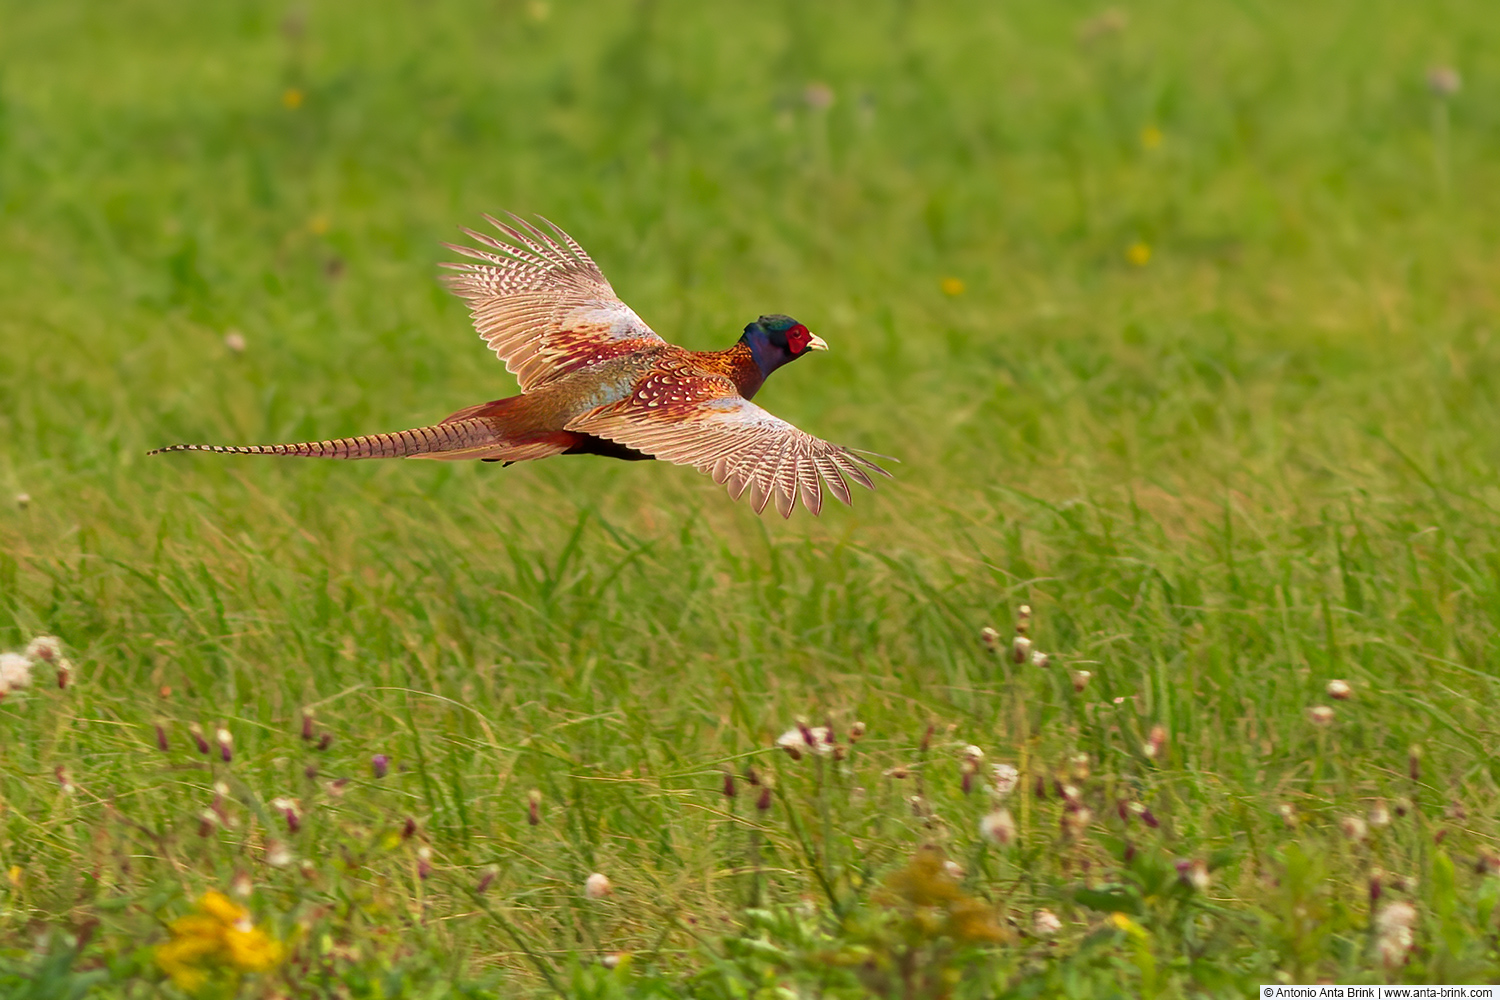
(380, 764)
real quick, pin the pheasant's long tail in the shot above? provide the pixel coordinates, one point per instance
(451, 440)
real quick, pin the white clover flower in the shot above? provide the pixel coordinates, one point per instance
(1045, 923)
(1393, 932)
(1005, 778)
(998, 827)
(816, 739)
(15, 672)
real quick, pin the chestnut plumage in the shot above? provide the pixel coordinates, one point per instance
(596, 380)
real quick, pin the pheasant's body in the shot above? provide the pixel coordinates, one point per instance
(596, 380)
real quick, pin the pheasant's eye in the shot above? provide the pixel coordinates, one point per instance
(797, 339)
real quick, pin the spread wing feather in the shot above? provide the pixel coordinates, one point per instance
(542, 304)
(704, 422)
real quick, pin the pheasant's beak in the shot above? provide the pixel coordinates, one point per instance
(817, 344)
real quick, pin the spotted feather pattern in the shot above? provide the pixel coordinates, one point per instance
(542, 304)
(702, 421)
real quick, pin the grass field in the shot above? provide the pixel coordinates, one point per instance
(1181, 317)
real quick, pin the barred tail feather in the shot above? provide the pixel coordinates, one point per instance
(459, 439)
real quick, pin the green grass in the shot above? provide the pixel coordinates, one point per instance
(1263, 460)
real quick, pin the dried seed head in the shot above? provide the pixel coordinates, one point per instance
(1081, 680)
(241, 885)
(161, 738)
(380, 765)
(763, 803)
(64, 781)
(1354, 828)
(1402, 805)
(1023, 619)
(1080, 766)
(1287, 813)
(310, 772)
(972, 754)
(46, 648)
(196, 732)
(1020, 649)
(596, 886)
(991, 639)
(1414, 762)
(856, 732)
(324, 741)
(485, 881)
(225, 739)
(1320, 715)
(64, 672)
(1487, 863)
(899, 772)
(307, 724)
(998, 827)
(23, 500)
(1376, 884)
(1194, 873)
(1044, 923)
(278, 855)
(1380, 815)
(207, 820)
(1339, 690)
(728, 787)
(1076, 820)
(1149, 818)
(953, 870)
(1155, 742)
(424, 861)
(408, 829)
(1041, 660)
(1004, 778)
(918, 806)
(534, 807)
(1444, 81)
(927, 736)
(1071, 794)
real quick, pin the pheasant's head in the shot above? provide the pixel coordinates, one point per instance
(776, 340)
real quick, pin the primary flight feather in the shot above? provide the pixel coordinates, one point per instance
(596, 380)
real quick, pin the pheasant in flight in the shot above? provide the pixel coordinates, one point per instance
(596, 380)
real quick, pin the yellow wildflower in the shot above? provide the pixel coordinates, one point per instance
(292, 98)
(952, 286)
(1138, 253)
(1150, 137)
(216, 941)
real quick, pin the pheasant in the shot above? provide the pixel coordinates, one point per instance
(596, 380)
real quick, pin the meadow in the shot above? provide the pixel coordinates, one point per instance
(1180, 317)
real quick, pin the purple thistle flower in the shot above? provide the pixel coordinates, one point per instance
(380, 764)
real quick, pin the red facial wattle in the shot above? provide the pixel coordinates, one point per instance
(797, 339)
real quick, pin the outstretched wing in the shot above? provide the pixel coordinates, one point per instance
(704, 422)
(542, 305)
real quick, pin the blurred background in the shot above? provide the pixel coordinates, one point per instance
(1181, 316)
